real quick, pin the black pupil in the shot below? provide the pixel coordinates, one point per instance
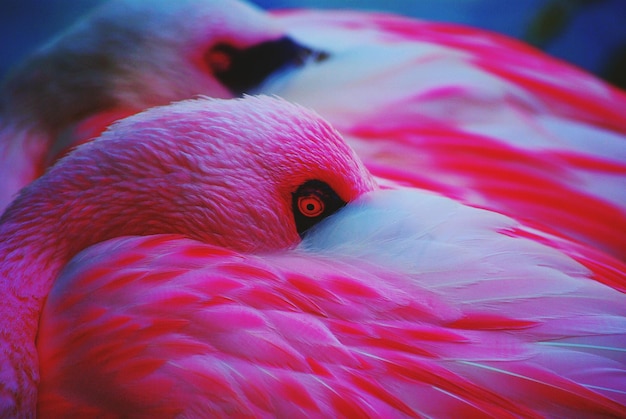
(331, 204)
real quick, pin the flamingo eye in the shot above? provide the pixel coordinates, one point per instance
(220, 58)
(312, 202)
(310, 205)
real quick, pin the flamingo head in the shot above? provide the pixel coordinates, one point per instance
(249, 174)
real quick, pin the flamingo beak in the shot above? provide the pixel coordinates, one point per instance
(243, 70)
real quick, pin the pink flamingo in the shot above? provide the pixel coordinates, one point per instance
(249, 176)
(471, 115)
(180, 291)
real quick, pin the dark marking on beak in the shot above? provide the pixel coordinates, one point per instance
(242, 70)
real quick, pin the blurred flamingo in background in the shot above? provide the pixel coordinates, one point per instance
(470, 115)
(188, 297)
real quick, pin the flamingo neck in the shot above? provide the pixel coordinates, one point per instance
(40, 232)
(26, 276)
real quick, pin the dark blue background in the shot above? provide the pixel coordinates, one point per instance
(588, 33)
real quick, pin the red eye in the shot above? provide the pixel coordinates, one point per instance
(219, 59)
(310, 205)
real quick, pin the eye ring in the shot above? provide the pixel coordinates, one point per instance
(310, 205)
(313, 201)
(220, 58)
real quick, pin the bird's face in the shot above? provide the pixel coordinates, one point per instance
(262, 170)
(250, 174)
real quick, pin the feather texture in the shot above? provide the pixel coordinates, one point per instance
(373, 318)
(178, 285)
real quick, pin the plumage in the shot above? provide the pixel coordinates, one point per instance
(505, 298)
(472, 115)
(402, 304)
